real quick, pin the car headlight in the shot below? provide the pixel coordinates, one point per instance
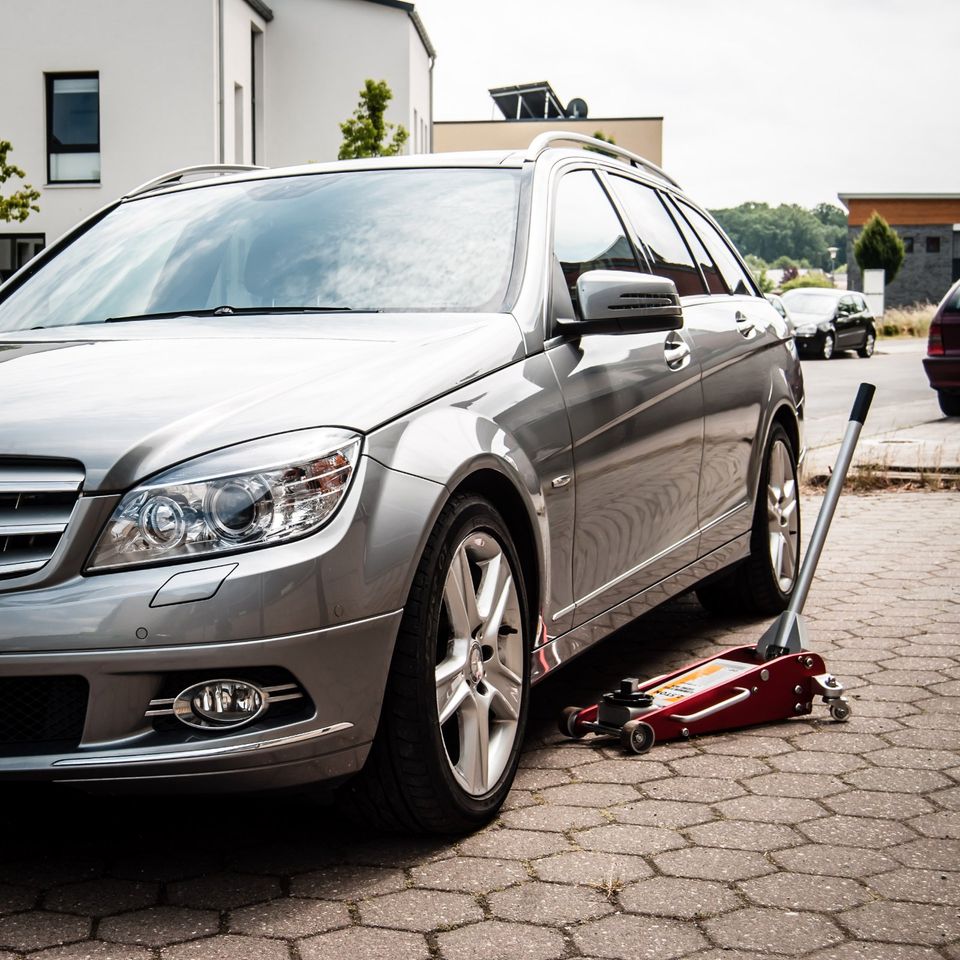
(806, 329)
(248, 495)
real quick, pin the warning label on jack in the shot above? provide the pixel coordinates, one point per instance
(704, 677)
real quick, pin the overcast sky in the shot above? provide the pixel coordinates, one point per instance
(761, 100)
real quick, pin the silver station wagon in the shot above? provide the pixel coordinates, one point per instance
(307, 475)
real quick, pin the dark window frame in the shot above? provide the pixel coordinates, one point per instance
(907, 244)
(52, 148)
(14, 239)
(933, 245)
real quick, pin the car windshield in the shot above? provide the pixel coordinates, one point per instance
(801, 301)
(439, 239)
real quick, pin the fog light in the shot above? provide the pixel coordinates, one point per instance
(220, 704)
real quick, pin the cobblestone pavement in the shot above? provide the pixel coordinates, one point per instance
(806, 838)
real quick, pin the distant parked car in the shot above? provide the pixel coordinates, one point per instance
(942, 361)
(781, 308)
(828, 320)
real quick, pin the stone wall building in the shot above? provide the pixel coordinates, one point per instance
(929, 225)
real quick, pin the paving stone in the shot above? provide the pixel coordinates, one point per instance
(744, 835)
(912, 758)
(773, 931)
(712, 863)
(806, 785)
(563, 757)
(931, 737)
(349, 882)
(945, 824)
(14, 898)
(553, 817)
(94, 950)
(876, 803)
(696, 789)
(764, 809)
(830, 741)
(517, 799)
(532, 778)
(684, 899)
(797, 891)
(159, 926)
(163, 867)
(628, 838)
(596, 795)
(860, 950)
(930, 852)
(736, 746)
(362, 943)
(377, 850)
(903, 923)
(856, 831)
(923, 886)
(421, 910)
(637, 938)
(947, 798)
(223, 891)
(592, 868)
(228, 947)
(469, 874)
(39, 929)
(514, 844)
(810, 761)
(663, 813)
(549, 903)
(897, 781)
(97, 898)
(495, 940)
(290, 917)
(723, 767)
(622, 771)
(834, 861)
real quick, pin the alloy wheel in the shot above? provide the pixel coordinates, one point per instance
(479, 667)
(783, 516)
(826, 351)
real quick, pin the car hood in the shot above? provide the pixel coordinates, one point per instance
(130, 399)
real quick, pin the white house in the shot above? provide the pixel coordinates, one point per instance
(101, 95)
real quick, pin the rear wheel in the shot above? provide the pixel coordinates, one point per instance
(827, 346)
(764, 582)
(949, 403)
(869, 344)
(455, 707)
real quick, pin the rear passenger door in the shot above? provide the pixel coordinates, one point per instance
(732, 331)
(635, 411)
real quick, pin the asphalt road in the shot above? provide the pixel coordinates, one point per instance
(903, 399)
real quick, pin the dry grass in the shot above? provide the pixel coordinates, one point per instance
(912, 321)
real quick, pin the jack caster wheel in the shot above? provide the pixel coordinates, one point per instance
(637, 736)
(567, 725)
(840, 711)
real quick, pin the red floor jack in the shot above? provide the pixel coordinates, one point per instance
(776, 679)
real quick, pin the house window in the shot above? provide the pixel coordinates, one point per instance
(933, 244)
(73, 128)
(16, 249)
(907, 244)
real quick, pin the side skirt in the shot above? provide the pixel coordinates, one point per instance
(555, 653)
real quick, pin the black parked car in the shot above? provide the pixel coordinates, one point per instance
(828, 320)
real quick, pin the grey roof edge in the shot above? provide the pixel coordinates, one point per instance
(260, 7)
(898, 196)
(415, 19)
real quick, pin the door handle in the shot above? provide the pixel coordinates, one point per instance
(745, 325)
(676, 353)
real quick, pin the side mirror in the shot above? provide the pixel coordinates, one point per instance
(614, 301)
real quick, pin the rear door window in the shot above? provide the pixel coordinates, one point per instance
(708, 268)
(734, 276)
(588, 234)
(654, 226)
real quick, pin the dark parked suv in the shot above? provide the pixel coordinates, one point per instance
(308, 474)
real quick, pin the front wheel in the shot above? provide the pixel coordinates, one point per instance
(455, 708)
(827, 347)
(869, 345)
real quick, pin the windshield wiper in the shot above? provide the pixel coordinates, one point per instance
(227, 311)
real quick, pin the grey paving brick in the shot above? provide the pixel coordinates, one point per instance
(13, 898)
(514, 844)
(553, 817)
(364, 943)
(834, 861)
(805, 785)
(349, 882)
(223, 891)
(798, 891)
(711, 863)
(857, 831)
(682, 898)
(290, 917)
(627, 937)
(91, 950)
(945, 823)
(865, 950)
(923, 886)
(159, 926)
(596, 795)
(744, 835)
(549, 903)
(765, 809)
(773, 931)
(903, 923)
(663, 813)
(421, 910)
(496, 940)
(228, 947)
(469, 874)
(929, 853)
(725, 767)
(897, 781)
(630, 838)
(39, 929)
(695, 789)
(592, 868)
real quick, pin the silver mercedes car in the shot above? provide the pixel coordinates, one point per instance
(308, 474)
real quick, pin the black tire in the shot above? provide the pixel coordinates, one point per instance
(407, 784)
(949, 403)
(869, 344)
(637, 736)
(827, 346)
(753, 587)
(566, 723)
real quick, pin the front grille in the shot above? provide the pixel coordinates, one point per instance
(42, 710)
(37, 498)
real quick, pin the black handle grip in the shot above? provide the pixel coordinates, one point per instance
(861, 405)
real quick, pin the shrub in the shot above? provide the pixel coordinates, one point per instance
(811, 279)
(911, 321)
(879, 248)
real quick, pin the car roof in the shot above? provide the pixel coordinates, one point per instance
(820, 291)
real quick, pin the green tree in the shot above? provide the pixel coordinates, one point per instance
(812, 279)
(879, 248)
(365, 133)
(21, 203)
(758, 267)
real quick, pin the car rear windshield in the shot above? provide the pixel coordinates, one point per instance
(439, 239)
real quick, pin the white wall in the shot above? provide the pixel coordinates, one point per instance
(239, 18)
(420, 106)
(156, 73)
(318, 54)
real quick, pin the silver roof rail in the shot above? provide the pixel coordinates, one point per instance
(177, 176)
(544, 140)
